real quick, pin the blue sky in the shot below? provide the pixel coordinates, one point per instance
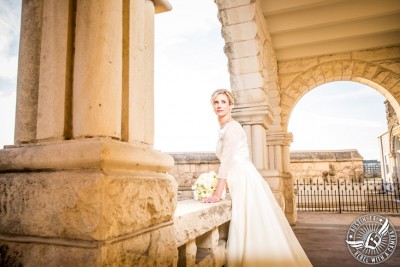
(190, 64)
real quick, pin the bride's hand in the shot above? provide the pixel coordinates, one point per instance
(211, 199)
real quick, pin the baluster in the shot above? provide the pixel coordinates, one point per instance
(187, 254)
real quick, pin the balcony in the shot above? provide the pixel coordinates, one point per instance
(202, 230)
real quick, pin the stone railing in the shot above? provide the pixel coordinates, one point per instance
(201, 232)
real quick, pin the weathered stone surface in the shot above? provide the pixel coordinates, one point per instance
(370, 71)
(224, 4)
(54, 70)
(66, 198)
(157, 248)
(209, 239)
(237, 15)
(193, 218)
(308, 166)
(358, 69)
(140, 250)
(286, 101)
(242, 49)
(308, 79)
(337, 70)
(334, 57)
(393, 65)
(245, 65)
(377, 54)
(291, 66)
(28, 72)
(347, 70)
(286, 79)
(101, 153)
(327, 70)
(98, 26)
(390, 80)
(33, 255)
(248, 81)
(318, 75)
(239, 32)
(250, 95)
(84, 205)
(380, 75)
(376, 68)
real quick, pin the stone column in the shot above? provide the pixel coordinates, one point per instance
(396, 159)
(277, 171)
(82, 185)
(254, 81)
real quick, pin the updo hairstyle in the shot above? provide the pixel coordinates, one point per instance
(228, 93)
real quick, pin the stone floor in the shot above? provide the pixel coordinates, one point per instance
(323, 236)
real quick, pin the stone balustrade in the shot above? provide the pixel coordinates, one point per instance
(201, 232)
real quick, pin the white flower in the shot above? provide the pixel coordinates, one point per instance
(205, 186)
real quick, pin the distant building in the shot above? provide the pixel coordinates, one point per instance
(389, 145)
(371, 168)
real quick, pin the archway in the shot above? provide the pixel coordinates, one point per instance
(378, 77)
(337, 116)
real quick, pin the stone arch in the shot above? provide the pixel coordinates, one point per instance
(385, 80)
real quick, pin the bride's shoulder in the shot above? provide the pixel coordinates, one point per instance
(233, 125)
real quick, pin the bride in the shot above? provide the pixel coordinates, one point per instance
(259, 234)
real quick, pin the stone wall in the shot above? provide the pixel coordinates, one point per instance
(189, 166)
(329, 166)
(306, 166)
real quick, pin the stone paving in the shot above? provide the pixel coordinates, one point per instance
(323, 236)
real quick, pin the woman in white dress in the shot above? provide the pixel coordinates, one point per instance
(259, 234)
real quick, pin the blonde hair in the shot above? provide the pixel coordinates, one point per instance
(228, 94)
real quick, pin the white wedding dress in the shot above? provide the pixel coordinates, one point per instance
(259, 234)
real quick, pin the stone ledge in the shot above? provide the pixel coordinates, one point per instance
(194, 157)
(193, 218)
(94, 153)
(333, 155)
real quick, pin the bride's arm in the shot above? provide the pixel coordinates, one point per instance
(231, 139)
(218, 192)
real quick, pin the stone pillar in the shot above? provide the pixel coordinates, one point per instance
(253, 70)
(394, 143)
(277, 171)
(82, 185)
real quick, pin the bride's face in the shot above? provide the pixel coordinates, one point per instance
(221, 105)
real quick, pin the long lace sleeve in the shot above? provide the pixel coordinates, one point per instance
(230, 141)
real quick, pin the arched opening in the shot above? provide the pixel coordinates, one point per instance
(339, 115)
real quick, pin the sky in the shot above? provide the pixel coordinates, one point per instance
(189, 65)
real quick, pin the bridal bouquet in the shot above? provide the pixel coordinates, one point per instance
(205, 185)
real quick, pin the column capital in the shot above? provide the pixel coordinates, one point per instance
(253, 114)
(279, 138)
